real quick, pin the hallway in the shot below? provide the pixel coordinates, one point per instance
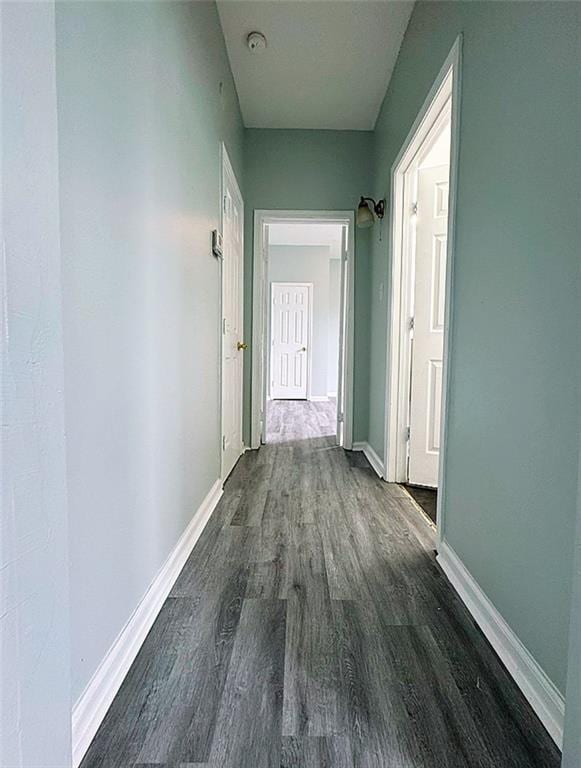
(189, 222)
(290, 420)
(311, 626)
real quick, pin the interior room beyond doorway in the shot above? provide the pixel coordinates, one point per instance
(303, 327)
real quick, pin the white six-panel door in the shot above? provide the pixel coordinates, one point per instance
(429, 287)
(290, 328)
(232, 321)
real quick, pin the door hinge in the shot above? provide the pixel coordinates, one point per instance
(411, 323)
(340, 417)
(223, 442)
(414, 209)
(407, 434)
(225, 204)
(224, 326)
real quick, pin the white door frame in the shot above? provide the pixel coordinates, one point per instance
(227, 171)
(309, 287)
(446, 88)
(261, 297)
(403, 278)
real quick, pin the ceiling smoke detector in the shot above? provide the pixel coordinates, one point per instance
(256, 41)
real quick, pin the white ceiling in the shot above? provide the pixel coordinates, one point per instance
(327, 63)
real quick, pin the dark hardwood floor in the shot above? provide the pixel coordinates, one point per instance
(311, 627)
(426, 498)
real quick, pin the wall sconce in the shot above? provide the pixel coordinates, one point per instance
(365, 218)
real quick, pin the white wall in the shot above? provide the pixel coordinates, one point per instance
(35, 702)
(145, 95)
(307, 233)
(439, 153)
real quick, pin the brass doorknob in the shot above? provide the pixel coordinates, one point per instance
(241, 345)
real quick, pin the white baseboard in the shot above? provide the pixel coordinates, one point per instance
(371, 457)
(539, 690)
(330, 395)
(92, 705)
(318, 398)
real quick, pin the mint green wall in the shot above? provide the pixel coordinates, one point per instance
(513, 420)
(141, 113)
(311, 170)
(35, 702)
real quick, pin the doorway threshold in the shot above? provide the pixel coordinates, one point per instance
(425, 499)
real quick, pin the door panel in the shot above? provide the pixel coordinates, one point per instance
(232, 325)
(429, 287)
(290, 324)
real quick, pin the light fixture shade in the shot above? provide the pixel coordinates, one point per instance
(364, 218)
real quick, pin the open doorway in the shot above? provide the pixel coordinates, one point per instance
(302, 327)
(428, 182)
(422, 195)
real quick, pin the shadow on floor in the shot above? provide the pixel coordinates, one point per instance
(426, 498)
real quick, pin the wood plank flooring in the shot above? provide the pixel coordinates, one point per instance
(311, 627)
(426, 498)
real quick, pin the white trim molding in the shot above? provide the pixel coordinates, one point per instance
(371, 456)
(259, 390)
(92, 705)
(318, 398)
(539, 690)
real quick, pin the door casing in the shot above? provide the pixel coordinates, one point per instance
(261, 299)
(445, 91)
